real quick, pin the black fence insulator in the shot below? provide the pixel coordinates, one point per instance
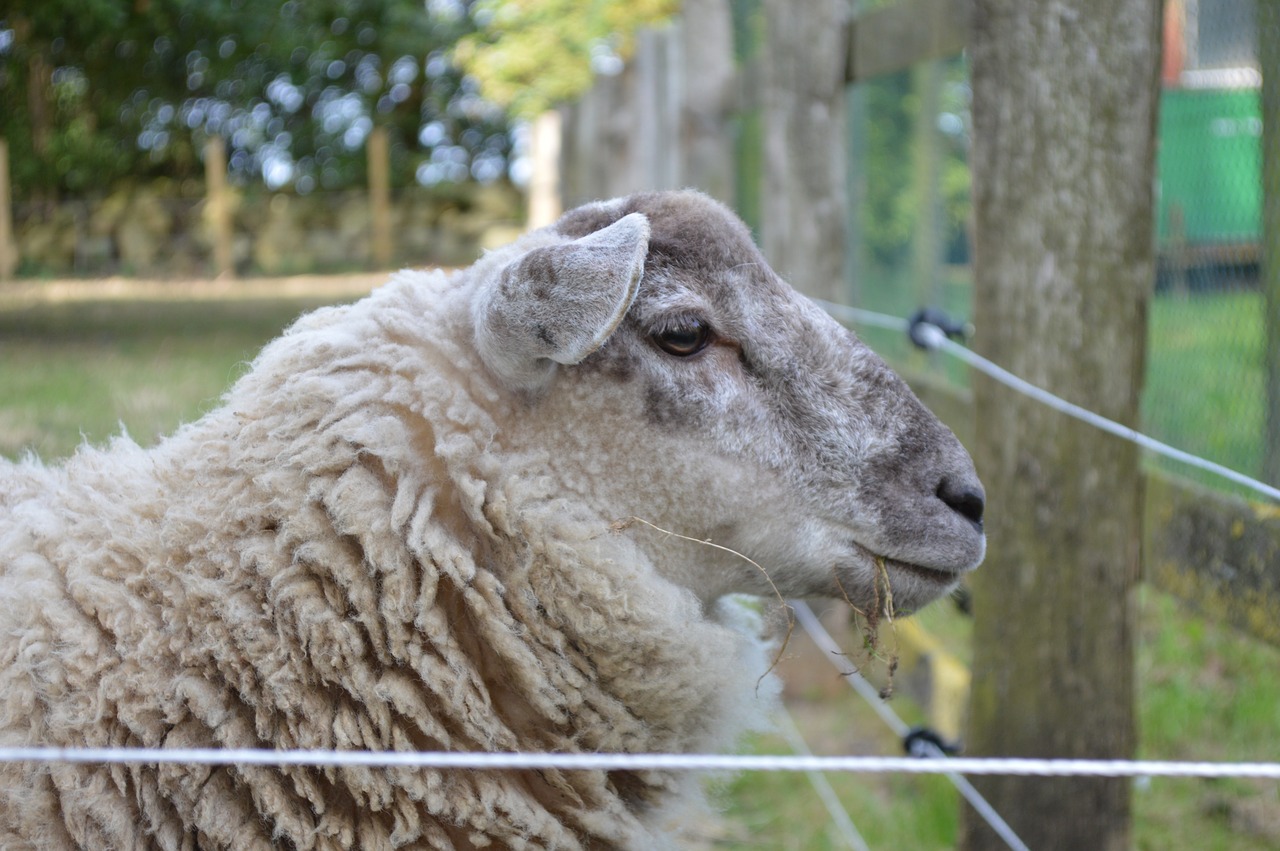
(921, 741)
(926, 318)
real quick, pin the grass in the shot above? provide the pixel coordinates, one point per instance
(75, 371)
(1204, 692)
(1205, 378)
(1207, 693)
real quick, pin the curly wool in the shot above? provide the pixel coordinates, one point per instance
(345, 555)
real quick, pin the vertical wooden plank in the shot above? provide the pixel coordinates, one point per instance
(8, 248)
(803, 217)
(379, 154)
(1063, 264)
(646, 116)
(611, 148)
(1269, 60)
(218, 206)
(707, 95)
(544, 181)
(574, 118)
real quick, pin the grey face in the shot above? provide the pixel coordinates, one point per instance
(727, 407)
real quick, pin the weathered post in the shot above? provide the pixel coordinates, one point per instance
(8, 248)
(1065, 96)
(1269, 60)
(218, 206)
(708, 94)
(802, 224)
(379, 154)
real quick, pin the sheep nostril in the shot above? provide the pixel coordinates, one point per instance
(965, 499)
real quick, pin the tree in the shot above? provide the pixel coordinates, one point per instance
(106, 90)
(532, 54)
(1064, 104)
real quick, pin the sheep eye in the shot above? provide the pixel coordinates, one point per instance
(684, 340)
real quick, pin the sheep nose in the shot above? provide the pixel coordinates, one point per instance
(965, 497)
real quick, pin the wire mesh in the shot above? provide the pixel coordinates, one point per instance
(1206, 388)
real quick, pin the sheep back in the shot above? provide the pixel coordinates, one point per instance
(343, 555)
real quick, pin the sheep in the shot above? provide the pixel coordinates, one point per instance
(499, 509)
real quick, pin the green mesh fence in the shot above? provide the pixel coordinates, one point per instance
(1206, 381)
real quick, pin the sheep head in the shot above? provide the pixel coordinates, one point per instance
(673, 377)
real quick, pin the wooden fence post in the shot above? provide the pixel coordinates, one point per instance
(1063, 263)
(708, 94)
(379, 153)
(218, 209)
(802, 223)
(1269, 60)
(8, 248)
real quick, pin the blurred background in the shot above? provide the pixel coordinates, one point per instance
(166, 139)
(180, 178)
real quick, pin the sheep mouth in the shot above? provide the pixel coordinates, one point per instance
(937, 575)
(898, 587)
(930, 574)
(906, 587)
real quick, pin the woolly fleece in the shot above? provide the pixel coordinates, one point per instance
(348, 570)
(400, 530)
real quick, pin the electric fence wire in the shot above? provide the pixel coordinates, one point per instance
(839, 815)
(526, 761)
(818, 634)
(937, 339)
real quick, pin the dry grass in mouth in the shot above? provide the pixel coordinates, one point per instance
(621, 525)
(869, 621)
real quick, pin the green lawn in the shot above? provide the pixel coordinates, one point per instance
(1205, 379)
(75, 371)
(1204, 693)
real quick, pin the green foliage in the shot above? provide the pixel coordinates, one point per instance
(94, 93)
(531, 54)
(892, 125)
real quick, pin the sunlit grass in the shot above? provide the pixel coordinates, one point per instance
(80, 371)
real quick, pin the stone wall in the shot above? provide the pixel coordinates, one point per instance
(153, 231)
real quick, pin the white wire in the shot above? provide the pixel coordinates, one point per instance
(819, 635)
(939, 340)
(834, 652)
(642, 762)
(839, 815)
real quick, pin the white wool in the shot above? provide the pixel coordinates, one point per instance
(408, 527)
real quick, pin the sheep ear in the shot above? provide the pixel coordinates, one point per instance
(559, 303)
